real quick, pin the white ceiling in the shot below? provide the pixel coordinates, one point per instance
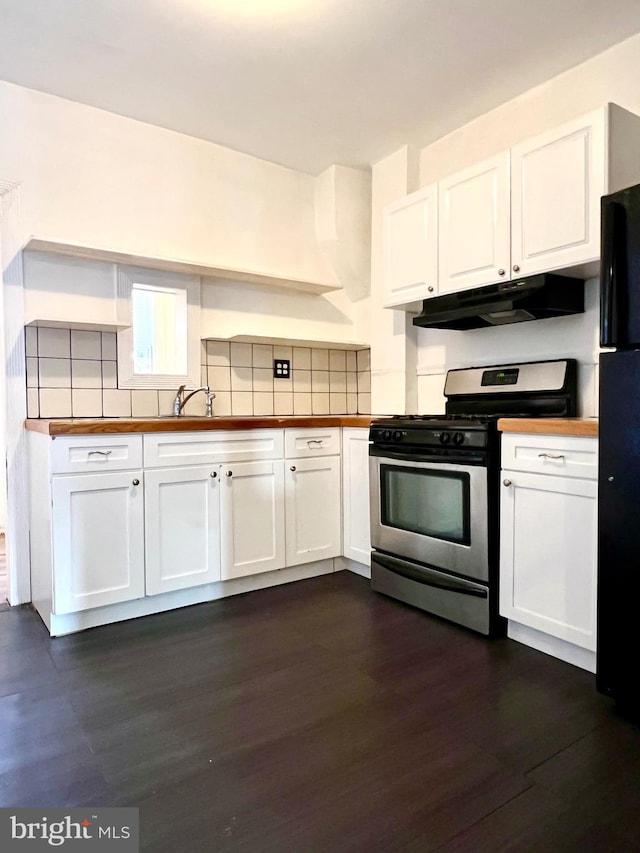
(304, 83)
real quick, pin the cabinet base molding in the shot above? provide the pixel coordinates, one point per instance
(69, 623)
(345, 563)
(553, 646)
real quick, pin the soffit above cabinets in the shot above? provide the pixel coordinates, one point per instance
(41, 244)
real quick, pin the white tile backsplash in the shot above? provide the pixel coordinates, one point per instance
(241, 355)
(218, 353)
(263, 355)
(241, 403)
(241, 379)
(109, 346)
(301, 358)
(283, 403)
(55, 402)
(144, 403)
(319, 359)
(116, 403)
(32, 373)
(31, 341)
(33, 403)
(110, 374)
(55, 372)
(86, 345)
(262, 403)
(302, 404)
(85, 373)
(86, 402)
(54, 343)
(320, 404)
(301, 381)
(262, 379)
(322, 381)
(337, 360)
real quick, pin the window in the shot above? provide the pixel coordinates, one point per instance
(159, 348)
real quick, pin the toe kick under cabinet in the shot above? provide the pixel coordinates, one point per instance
(548, 524)
(125, 525)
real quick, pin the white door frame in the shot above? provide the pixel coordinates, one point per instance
(13, 398)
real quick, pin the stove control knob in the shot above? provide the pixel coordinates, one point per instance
(458, 438)
(445, 437)
(386, 434)
(397, 435)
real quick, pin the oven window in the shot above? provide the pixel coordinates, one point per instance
(426, 501)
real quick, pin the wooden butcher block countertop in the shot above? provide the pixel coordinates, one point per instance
(551, 426)
(97, 426)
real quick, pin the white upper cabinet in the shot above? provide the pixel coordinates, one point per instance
(532, 209)
(474, 225)
(557, 180)
(411, 248)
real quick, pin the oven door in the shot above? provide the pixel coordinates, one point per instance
(431, 511)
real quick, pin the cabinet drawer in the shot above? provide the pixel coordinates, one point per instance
(206, 448)
(567, 456)
(311, 442)
(74, 455)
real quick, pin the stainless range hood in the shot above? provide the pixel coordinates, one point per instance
(537, 297)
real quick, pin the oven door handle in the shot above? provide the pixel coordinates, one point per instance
(470, 458)
(430, 577)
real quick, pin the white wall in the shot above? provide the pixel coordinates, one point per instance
(611, 76)
(393, 387)
(98, 179)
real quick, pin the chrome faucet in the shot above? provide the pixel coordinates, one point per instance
(180, 400)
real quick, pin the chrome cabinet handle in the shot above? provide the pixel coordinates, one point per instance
(213, 475)
(550, 456)
(293, 468)
(101, 452)
(229, 474)
(311, 441)
(430, 288)
(136, 482)
(500, 272)
(516, 268)
(506, 482)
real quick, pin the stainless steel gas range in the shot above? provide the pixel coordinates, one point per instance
(434, 489)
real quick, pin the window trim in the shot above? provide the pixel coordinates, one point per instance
(127, 277)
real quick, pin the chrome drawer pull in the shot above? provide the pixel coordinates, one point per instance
(101, 452)
(550, 456)
(311, 441)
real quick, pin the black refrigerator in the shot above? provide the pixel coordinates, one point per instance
(617, 673)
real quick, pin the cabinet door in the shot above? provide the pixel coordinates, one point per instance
(474, 226)
(548, 555)
(182, 527)
(252, 518)
(556, 183)
(312, 494)
(98, 539)
(355, 495)
(410, 245)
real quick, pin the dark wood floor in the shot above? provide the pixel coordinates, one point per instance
(316, 716)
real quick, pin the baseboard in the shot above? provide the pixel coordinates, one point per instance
(344, 563)
(561, 649)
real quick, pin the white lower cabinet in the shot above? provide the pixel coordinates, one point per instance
(548, 524)
(108, 530)
(182, 527)
(312, 505)
(252, 518)
(97, 523)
